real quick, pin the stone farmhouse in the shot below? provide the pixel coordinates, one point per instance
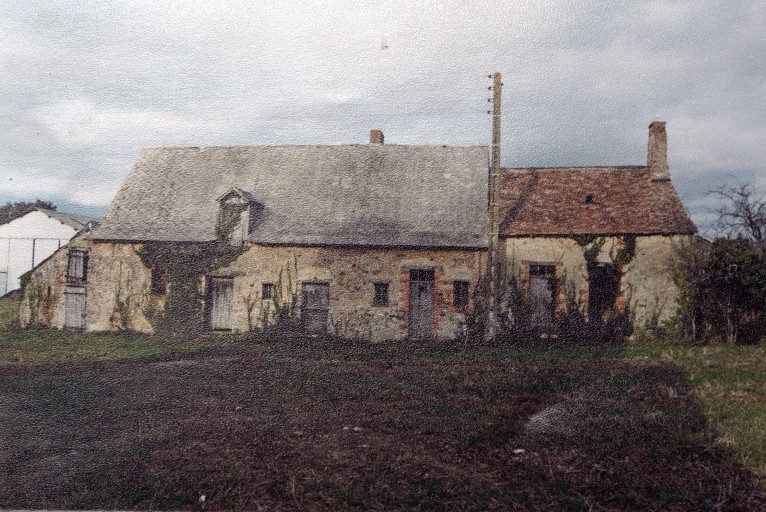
(373, 241)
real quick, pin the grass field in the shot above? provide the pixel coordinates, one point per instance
(9, 311)
(106, 421)
(730, 382)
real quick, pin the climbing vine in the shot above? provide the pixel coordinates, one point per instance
(627, 252)
(229, 215)
(592, 246)
(286, 292)
(591, 249)
(619, 322)
(281, 308)
(34, 293)
(185, 264)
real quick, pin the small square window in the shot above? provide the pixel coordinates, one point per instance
(460, 294)
(381, 294)
(267, 291)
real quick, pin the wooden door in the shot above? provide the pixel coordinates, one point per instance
(542, 294)
(221, 295)
(421, 308)
(315, 307)
(74, 307)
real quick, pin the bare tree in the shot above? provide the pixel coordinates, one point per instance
(742, 213)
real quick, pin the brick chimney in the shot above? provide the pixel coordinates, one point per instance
(376, 136)
(657, 158)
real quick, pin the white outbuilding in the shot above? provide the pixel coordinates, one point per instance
(30, 239)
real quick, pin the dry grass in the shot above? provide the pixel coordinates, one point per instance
(323, 425)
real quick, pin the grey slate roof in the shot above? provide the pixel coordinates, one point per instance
(376, 195)
(78, 222)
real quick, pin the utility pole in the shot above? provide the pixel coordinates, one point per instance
(494, 213)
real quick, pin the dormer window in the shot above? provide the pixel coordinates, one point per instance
(236, 213)
(590, 199)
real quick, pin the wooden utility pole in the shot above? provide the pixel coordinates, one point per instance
(494, 213)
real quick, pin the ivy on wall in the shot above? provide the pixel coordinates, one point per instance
(592, 246)
(229, 216)
(185, 264)
(620, 321)
(626, 252)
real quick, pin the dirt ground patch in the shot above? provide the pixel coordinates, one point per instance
(360, 427)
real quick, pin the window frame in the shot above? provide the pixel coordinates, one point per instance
(461, 293)
(77, 276)
(267, 287)
(384, 298)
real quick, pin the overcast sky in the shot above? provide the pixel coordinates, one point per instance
(85, 86)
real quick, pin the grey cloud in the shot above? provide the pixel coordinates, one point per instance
(87, 85)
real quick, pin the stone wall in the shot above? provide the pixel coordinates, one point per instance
(43, 301)
(118, 289)
(351, 273)
(646, 285)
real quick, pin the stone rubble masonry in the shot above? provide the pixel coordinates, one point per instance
(119, 283)
(646, 284)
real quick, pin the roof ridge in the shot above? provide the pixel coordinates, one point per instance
(574, 167)
(75, 217)
(292, 146)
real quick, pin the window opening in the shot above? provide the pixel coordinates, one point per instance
(460, 294)
(380, 297)
(77, 268)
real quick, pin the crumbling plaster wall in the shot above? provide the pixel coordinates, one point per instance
(118, 287)
(43, 301)
(646, 285)
(351, 273)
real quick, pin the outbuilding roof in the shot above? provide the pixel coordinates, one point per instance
(589, 201)
(78, 222)
(376, 195)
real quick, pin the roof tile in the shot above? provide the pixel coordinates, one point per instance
(552, 201)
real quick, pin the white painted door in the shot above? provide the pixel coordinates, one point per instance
(221, 297)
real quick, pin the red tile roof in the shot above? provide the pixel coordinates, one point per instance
(552, 201)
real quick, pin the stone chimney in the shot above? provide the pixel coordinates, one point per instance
(376, 137)
(657, 158)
